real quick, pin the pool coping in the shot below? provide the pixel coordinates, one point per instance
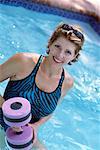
(44, 8)
(88, 7)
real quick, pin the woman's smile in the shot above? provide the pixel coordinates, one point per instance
(57, 60)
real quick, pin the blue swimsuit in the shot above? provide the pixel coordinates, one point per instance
(42, 103)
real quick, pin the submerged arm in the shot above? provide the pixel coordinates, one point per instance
(41, 121)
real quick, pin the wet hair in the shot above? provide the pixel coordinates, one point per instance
(67, 31)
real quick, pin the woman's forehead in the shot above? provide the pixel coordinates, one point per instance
(64, 41)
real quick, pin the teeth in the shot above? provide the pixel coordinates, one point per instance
(57, 60)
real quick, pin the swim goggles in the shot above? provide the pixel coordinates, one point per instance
(76, 32)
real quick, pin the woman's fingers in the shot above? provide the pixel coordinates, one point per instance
(17, 129)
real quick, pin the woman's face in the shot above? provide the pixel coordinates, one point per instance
(62, 51)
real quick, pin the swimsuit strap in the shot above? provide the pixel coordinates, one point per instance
(38, 64)
(61, 79)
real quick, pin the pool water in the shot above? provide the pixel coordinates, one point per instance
(75, 125)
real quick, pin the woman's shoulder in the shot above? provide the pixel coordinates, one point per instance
(20, 62)
(26, 61)
(26, 57)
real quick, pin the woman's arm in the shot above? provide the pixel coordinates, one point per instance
(11, 67)
(1, 101)
(68, 84)
(37, 124)
(42, 120)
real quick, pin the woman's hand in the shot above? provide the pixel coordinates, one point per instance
(17, 129)
(35, 129)
(34, 125)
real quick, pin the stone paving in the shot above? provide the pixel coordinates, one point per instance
(89, 7)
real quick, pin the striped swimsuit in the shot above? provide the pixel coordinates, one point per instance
(42, 103)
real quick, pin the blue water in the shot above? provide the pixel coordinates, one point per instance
(75, 125)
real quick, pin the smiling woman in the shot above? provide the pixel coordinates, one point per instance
(43, 92)
(44, 79)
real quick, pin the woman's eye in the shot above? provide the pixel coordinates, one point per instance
(57, 46)
(68, 52)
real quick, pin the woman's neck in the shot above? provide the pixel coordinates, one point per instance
(48, 69)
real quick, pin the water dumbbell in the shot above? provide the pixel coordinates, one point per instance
(17, 112)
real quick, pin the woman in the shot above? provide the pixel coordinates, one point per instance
(42, 79)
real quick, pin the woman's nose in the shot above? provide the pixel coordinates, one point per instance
(60, 55)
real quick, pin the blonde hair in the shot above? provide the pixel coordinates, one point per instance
(59, 31)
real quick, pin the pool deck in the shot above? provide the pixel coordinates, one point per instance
(82, 10)
(89, 7)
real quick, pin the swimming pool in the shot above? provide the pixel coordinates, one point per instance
(75, 123)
